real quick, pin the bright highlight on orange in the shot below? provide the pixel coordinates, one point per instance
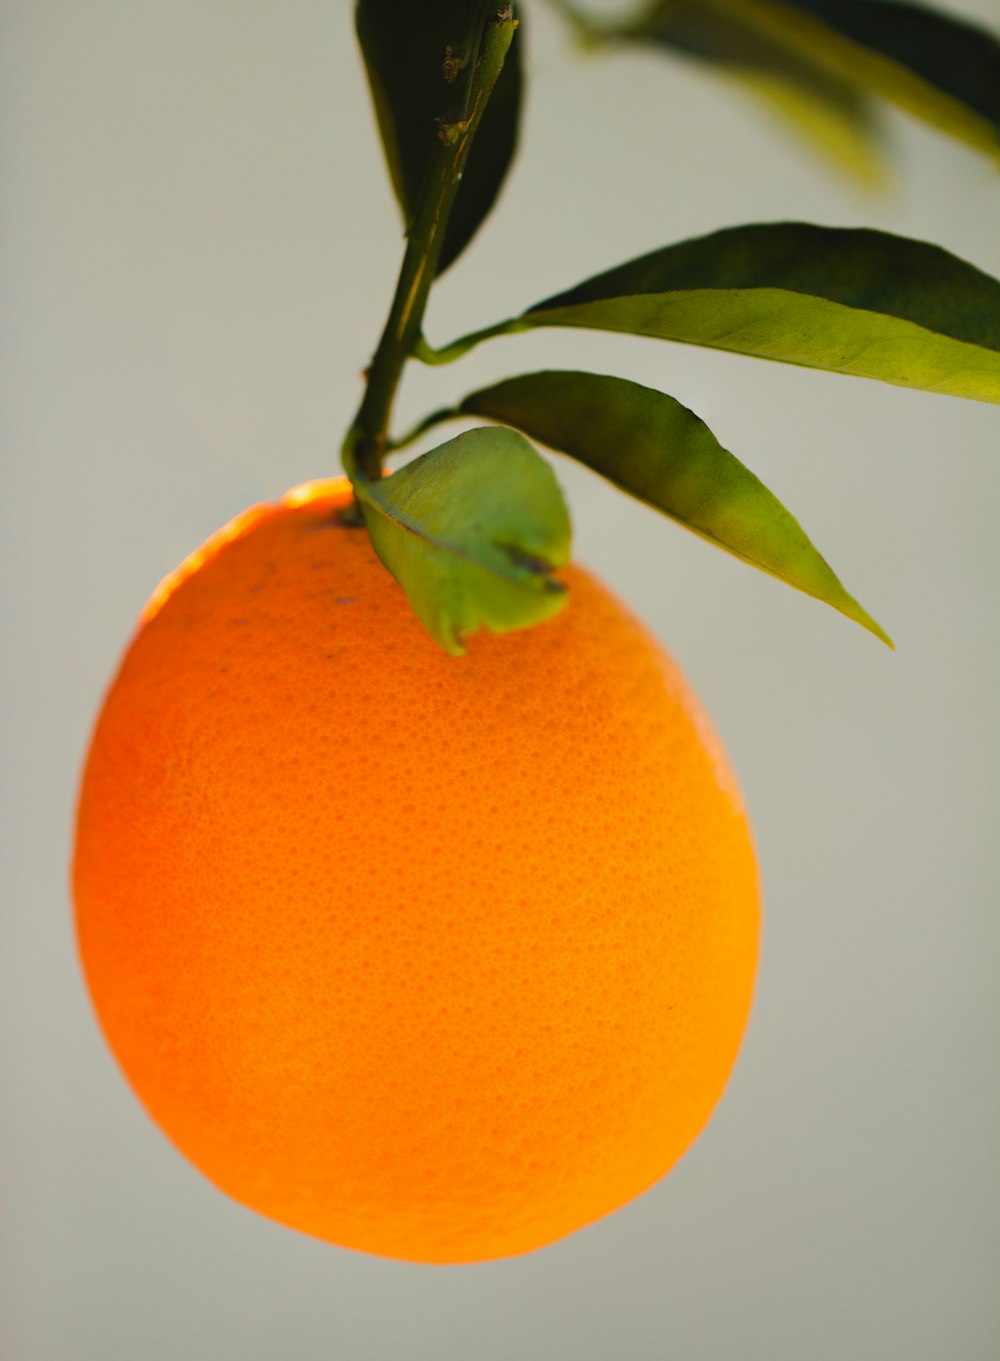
(320, 489)
(429, 957)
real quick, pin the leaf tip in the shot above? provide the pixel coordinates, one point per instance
(854, 611)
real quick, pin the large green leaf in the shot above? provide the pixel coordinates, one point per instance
(826, 110)
(657, 450)
(472, 531)
(406, 47)
(852, 301)
(938, 67)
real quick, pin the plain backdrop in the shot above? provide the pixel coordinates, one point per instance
(199, 245)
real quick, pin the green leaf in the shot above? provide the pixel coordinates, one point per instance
(825, 110)
(940, 68)
(405, 48)
(472, 531)
(851, 301)
(655, 449)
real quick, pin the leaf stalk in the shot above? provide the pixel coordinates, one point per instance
(447, 354)
(435, 418)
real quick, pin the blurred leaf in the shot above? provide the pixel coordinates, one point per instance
(826, 111)
(940, 68)
(472, 531)
(405, 48)
(649, 445)
(852, 301)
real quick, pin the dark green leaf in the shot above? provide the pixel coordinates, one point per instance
(472, 531)
(852, 301)
(826, 110)
(659, 451)
(405, 47)
(938, 67)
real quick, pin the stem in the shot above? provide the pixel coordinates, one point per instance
(368, 438)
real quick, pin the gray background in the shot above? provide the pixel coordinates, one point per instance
(199, 246)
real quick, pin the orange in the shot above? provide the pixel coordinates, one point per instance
(435, 958)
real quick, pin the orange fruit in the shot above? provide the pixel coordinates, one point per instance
(435, 958)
